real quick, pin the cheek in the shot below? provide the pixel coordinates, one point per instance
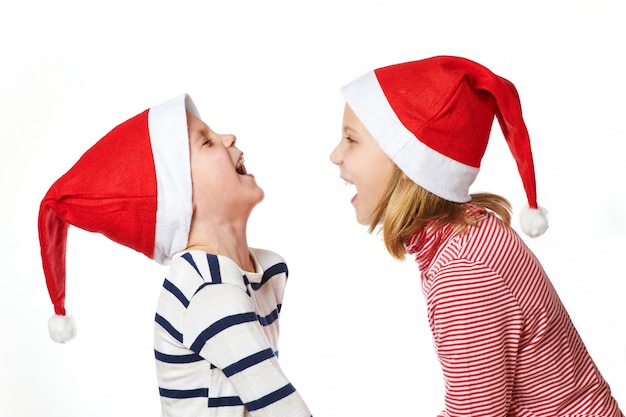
(377, 184)
(380, 172)
(374, 192)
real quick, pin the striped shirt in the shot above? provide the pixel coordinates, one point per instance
(505, 342)
(216, 339)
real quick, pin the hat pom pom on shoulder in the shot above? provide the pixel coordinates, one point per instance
(534, 222)
(62, 328)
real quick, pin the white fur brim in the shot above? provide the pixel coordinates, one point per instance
(62, 328)
(534, 222)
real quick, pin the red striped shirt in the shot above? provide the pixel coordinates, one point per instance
(505, 342)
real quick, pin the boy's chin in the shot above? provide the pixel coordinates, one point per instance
(259, 197)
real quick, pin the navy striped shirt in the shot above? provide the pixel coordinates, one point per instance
(216, 338)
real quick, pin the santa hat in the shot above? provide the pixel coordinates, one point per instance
(433, 118)
(133, 186)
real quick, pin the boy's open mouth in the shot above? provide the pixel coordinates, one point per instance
(240, 167)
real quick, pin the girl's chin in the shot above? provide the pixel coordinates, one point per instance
(362, 219)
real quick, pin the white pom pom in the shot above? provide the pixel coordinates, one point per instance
(534, 221)
(62, 328)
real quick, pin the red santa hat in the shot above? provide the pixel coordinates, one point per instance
(133, 186)
(433, 118)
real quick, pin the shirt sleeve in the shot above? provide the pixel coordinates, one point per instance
(476, 325)
(221, 325)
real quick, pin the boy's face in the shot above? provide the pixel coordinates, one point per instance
(362, 163)
(220, 182)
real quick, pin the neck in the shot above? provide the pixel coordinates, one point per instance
(224, 239)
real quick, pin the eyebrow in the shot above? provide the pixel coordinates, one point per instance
(349, 129)
(204, 129)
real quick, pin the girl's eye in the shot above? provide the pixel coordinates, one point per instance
(206, 142)
(349, 139)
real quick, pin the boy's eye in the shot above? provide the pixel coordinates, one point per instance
(206, 142)
(349, 139)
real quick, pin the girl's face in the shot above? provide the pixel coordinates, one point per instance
(221, 184)
(363, 164)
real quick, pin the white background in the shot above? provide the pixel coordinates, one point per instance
(355, 340)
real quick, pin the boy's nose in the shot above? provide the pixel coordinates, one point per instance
(229, 140)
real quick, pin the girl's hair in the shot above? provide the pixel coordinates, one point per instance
(405, 207)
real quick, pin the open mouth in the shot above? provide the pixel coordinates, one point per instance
(351, 188)
(240, 167)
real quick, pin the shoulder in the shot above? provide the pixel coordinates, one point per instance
(465, 289)
(270, 262)
(461, 272)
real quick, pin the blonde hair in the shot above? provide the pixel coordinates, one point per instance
(405, 207)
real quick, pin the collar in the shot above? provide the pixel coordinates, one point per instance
(426, 242)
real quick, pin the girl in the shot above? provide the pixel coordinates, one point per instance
(163, 183)
(413, 138)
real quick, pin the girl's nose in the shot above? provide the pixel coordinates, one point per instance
(336, 156)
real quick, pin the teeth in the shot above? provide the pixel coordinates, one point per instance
(240, 168)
